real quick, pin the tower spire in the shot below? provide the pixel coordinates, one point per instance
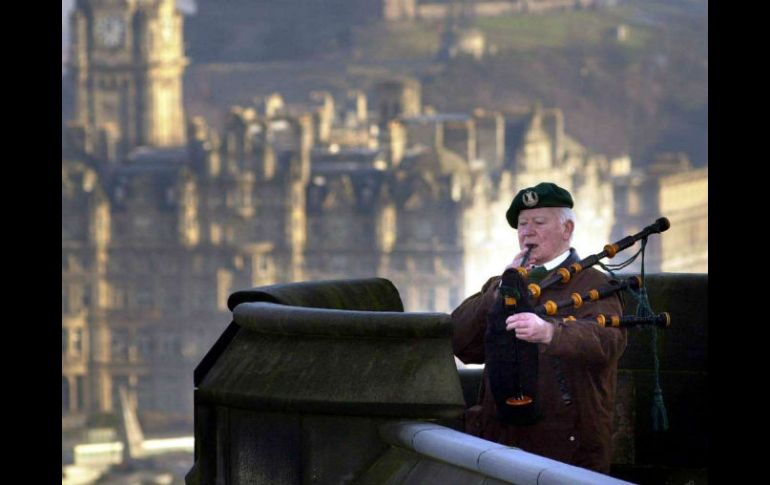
(127, 63)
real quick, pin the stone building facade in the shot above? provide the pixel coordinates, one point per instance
(668, 187)
(163, 216)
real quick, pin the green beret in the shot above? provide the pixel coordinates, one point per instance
(544, 194)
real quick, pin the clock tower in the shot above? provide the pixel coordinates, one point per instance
(127, 63)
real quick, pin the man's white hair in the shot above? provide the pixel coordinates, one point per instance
(567, 214)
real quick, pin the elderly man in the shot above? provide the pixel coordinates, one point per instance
(577, 359)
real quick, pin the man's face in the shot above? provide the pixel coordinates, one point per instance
(542, 228)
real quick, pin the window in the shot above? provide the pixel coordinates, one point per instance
(65, 394)
(80, 392)
(145, 394)
(170, 346)
(144, 345)
(144, 298)
(421, 229)
(117, 298)
(76, 341)
(119, 345)
(86, 297)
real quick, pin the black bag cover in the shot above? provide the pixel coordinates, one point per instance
(511, 363)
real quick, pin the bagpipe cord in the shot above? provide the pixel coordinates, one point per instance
(643, 309)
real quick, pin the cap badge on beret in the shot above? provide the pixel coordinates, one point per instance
(544, 194)
(529, 198)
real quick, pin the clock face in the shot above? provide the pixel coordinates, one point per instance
(110, 30)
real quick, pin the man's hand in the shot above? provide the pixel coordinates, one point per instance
(517, 259)
(530, 327)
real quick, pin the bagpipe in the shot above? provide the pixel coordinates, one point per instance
(512, 363)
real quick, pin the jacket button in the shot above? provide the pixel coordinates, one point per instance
(572, 438)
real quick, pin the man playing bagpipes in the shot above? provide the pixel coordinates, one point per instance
(553, 378)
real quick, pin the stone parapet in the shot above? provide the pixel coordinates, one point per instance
(297, 387)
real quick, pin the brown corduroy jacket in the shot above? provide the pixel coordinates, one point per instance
(579, 433)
